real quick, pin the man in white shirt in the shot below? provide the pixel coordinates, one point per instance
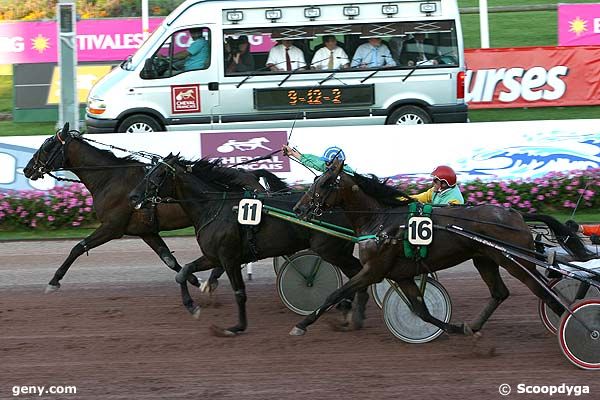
(285, 57)
(331, 56)
(373, 54)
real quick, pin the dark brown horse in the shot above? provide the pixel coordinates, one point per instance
(109, 180)
(224, 242)
(375, 208)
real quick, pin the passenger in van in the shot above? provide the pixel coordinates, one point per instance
(240, 58)
(419, 50)
(285, 57)
(372, 54)
(331, 56)
(196, 55)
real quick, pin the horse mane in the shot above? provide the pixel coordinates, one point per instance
(110, 156)
(385, 194)
(213, 173)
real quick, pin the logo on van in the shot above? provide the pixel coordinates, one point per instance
(185, 99)
(243, 145)
(233, 148)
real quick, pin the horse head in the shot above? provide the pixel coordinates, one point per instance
(51, 155)
(157, 183)
(323, 193)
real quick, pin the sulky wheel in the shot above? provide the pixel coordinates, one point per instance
(567, 288)
(408, 326)
(378, 290)
(277, 263)
(305, 281)
(579, 344)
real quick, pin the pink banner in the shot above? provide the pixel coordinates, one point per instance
(578, 24)
(97, 40)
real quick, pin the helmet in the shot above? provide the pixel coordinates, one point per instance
(333, 152)
(445, 174)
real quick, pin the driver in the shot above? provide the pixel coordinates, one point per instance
(444, 189)
(316, 162)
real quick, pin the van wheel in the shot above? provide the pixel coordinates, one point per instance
(409, 115)
(140, 123)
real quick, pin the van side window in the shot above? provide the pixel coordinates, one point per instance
(185, 50)
(347, 47)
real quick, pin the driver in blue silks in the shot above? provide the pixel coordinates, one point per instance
(319, 163)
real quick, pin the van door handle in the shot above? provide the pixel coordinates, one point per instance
(213, 86)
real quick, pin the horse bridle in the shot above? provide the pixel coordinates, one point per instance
(152, 188)
(43, 167)
(317, 203)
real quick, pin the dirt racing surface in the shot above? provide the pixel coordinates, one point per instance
(116, 330)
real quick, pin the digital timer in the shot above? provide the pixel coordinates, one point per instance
(313, 97)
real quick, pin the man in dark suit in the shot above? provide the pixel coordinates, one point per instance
(419, 50)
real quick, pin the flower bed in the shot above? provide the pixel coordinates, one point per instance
(61, 207)
(71, 206)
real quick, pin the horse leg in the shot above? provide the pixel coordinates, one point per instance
(490, 274)
(349, 265)
(533, 285)
(361, 280)
(183, 276)
(414, 296)
(157, 244)
(354, 312)
(213, 280)
(104, 233)
(234, 273)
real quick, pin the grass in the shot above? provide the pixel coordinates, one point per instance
(72, 233)
(5, 94)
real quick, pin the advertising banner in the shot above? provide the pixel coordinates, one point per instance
(488, 151)
(532, 77)
(28, 42)
(578, 24)
(97, 40)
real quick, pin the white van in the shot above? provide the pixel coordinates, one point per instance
(273, 63)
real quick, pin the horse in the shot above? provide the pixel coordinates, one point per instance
(226, 243)
(109, 180)
(376, 208)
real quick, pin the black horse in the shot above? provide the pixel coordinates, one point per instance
(225, 242)
(109, 180)
(375, 208)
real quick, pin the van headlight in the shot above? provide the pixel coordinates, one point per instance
(96, 106)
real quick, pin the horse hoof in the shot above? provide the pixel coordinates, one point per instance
(297, 331)
(467, 330)
(52, 288)
(194, 281)
(196, 312)
(204, 287)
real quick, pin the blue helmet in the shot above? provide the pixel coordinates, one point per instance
(333, 152)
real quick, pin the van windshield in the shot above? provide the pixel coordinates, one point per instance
(140, 54)
(339, 48)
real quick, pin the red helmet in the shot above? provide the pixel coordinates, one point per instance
(445, 174)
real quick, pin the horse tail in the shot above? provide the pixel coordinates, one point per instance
(568, 240)
(273, 181)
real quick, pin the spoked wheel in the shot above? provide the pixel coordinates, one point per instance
(408, 326)
(567, 288)
(579, 343)
(379, 290)
(305, 281)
